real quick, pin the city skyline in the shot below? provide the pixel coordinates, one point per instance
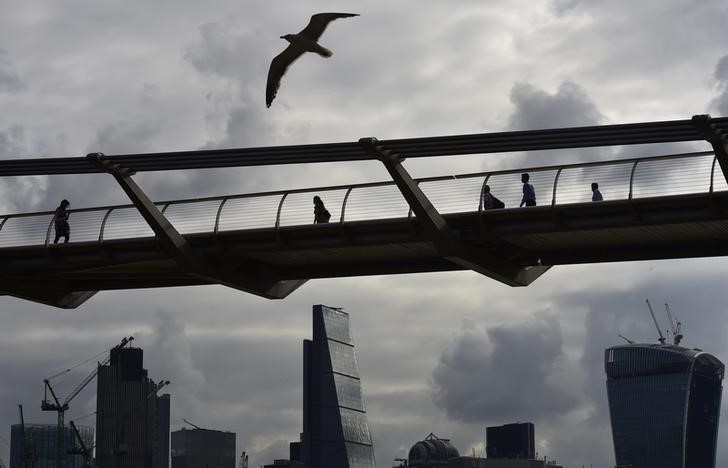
(159, 77)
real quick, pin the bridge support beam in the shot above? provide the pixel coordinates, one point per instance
(261, 281)
(445, 239)
(716, 137)
(44, 293)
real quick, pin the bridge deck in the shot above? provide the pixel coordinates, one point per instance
(660, 207)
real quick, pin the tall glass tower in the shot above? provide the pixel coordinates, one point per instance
(664, 404)
(39, 445)
(335, 429)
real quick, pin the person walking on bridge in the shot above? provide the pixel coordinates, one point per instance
(490, 201)
(596, 194)
(60, 219)
(320, 213)
(529, 194)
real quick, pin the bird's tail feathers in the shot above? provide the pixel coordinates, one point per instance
(324, 52)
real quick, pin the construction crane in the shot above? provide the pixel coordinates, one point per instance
(193, 425)
(626, 339)
(2, 439)
(654, 319)
(61, 407)
(676, 327)
(81, 449)
(26, 443)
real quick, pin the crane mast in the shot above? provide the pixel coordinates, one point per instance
(654, 319)
(82, 450)
(675, 325)
(61, 407)
(26, 443)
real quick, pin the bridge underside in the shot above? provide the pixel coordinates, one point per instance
(657, 228)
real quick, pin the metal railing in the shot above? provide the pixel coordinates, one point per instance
(625, 179)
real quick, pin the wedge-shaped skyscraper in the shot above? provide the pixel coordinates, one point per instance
(335, 429)
(664, 403)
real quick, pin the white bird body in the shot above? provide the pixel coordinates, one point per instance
(299, 44)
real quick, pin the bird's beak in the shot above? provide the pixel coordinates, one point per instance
(282, 37)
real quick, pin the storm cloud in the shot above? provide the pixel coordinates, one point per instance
(504, 373)
(141, 77)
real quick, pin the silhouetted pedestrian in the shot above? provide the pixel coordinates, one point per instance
(60, 218)
(320, 213)
(490, 202)
(529, 194)
(596, 194)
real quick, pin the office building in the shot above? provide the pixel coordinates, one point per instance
(194, 448)
(664, 404)
(160, 432)
(432, 452)
(335, 429)
(471, 462)
(132, 422)
(39, 445)
(285, 464)
(511, 441)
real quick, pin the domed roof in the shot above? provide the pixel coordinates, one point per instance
(430, 451)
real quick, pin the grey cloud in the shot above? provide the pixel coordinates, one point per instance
(720, 103)
(124, 137)
(10, 80)
(502, 374)
(563, 6)
(224, 51)
(721, 70)
(569, 106)
(18, 193)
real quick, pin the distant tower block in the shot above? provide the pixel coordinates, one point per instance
(132, 422)
(335, 429)
(511, 441)
(664, 404)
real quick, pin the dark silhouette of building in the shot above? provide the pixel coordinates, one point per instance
(285, 464)
(472, 462)
(160, 433)
(40, 441)
(664, 404)
(193, 448)
(431, 452)
(511, 441)
(335, 429)
(132, 422)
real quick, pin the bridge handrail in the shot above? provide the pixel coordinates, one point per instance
(340, 196)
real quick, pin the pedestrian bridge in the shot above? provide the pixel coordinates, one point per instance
(658, 207)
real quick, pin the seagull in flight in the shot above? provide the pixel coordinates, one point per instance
(304, 41)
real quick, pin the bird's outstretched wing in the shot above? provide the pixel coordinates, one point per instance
(319, 21)
(278, 67)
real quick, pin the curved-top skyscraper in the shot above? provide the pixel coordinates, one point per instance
(664, 404)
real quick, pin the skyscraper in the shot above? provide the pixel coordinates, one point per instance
(664, 404)
(132, 422)
(40, 445)
(193, 448)
(335, 429)
(511, 441)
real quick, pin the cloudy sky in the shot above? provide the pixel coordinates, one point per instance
(448, 353)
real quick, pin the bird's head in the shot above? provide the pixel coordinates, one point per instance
(287, 37)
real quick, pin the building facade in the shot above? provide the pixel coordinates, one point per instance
(511, 441)
(200, 448)
(471, 462)
(432, 452)
(335, 428)
(664, 405)
(39, 445)
(132, 422)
